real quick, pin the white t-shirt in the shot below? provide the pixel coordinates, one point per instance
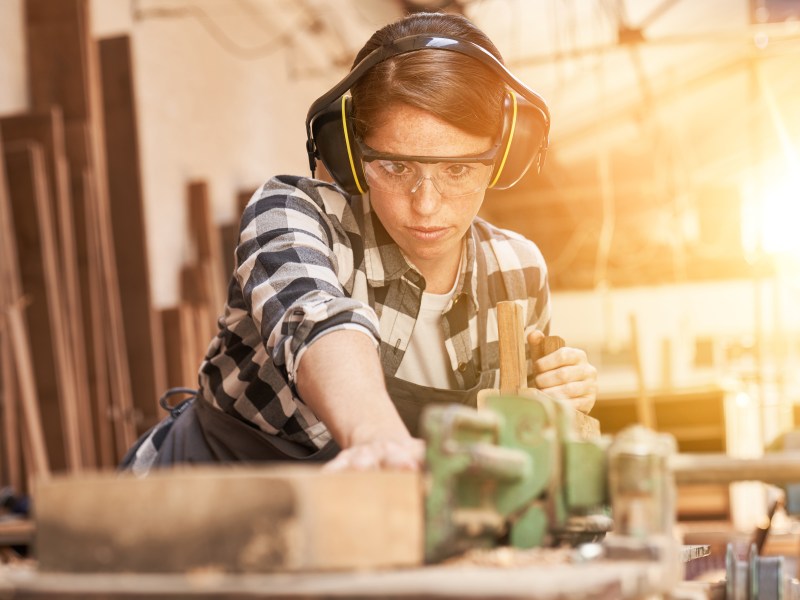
(426, 361)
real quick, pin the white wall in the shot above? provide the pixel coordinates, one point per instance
(13, 79)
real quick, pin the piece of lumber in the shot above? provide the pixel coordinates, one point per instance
(38, 266)
(547, 579)
(15, 326)
(230, 519)
(180, 346)
(10, 444)
(193, 292)
(120, 404)
(142, 330)
(202, 232)
(644, 404)
(513, 366)
(64, 70)
(47, 129)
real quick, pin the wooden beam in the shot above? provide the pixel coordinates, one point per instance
(37, 256)
(10, 445)
(180, 346)
(13, 316)
(285, 518)
(142, 330)
(64, 70)
(47, 129)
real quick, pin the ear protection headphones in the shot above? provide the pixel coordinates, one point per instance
(331, 135)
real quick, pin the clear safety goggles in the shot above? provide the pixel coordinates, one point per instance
(404, 175)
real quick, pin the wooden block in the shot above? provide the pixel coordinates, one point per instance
(226, 519)
(142, 331)
(513, 368)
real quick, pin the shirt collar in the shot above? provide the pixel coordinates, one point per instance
(384, 261)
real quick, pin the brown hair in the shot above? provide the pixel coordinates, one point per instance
(455, 88)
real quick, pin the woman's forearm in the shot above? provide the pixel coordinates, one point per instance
(340, 378)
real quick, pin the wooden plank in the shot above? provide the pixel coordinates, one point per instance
(285, 518)
(77, 145)
(11, 294)
(10, 445)
(551, 578)
(37, 256)
(202, 233)
(194, 293)
(47, 129)
(142, 333)
(513, 367)
(180, 346)
(62, 53)
(644, 404)
(119, 405)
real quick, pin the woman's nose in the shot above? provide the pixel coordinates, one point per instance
(425, 198)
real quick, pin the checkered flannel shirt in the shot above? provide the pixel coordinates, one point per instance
(310, 261)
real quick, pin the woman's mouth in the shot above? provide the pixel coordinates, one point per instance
(428, 233)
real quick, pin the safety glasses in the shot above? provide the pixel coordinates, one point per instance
(404, 175)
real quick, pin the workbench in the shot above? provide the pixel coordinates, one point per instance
(595, 580)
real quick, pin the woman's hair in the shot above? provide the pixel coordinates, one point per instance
(455, 88)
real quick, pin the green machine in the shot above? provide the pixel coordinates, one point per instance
(512, 472)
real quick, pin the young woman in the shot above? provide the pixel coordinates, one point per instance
(357, 302)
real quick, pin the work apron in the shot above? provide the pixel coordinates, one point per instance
(200, 433)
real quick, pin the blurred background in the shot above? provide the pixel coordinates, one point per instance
(668, 209)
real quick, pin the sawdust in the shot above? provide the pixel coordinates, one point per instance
(508, 557)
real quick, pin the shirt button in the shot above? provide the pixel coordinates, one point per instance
(462, 367)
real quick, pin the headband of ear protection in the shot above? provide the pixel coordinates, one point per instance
(331, 135)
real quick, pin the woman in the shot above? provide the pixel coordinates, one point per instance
(355, 303)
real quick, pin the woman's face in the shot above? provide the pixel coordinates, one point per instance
(427, 225)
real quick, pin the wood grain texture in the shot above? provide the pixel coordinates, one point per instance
(513, 366)
(276, 518)
(143, 335)
(37, 257)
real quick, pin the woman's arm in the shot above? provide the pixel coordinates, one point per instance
(340, 378)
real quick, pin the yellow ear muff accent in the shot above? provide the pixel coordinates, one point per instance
(508, 143)
(347, 143)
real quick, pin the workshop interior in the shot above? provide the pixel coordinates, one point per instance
(133, 133)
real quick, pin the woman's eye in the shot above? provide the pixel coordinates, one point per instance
(396, 168)
(457, 170)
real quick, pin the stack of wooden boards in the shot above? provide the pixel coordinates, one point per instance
(84, 355)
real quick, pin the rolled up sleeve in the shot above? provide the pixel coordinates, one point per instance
(287, 268)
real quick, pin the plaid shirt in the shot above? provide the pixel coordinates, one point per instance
(310, 261)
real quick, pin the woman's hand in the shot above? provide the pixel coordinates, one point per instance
(566, 374)
(404, 454)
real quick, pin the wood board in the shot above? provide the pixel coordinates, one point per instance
(230, 519)
(143, 337)
(38, 266)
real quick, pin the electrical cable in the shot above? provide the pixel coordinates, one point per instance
(213, 29)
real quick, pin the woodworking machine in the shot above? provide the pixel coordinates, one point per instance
(518, 471)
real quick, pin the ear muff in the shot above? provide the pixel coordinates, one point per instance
(523, 142)
(336, 145)
(330, 135)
